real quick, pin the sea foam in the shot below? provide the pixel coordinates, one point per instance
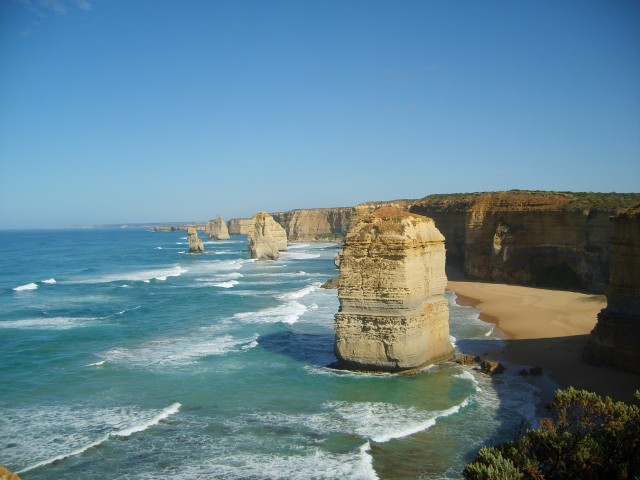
(289, 313)
(52, 323)
(76, 418)
(176, 352)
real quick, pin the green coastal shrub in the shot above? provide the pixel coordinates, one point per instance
(584, 436)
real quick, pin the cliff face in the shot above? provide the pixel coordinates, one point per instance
(240, 226)
(615, 340)
(217, 229)
(528, 238)
(393, 315)
(267, 239)
(195, 244)
(327, 223)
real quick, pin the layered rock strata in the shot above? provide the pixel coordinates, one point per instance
(561, 240)
(393, 315)
(217, 229)
(615, 340)
(240, 226)
(195, 244)
(327, 224)
(267, 239)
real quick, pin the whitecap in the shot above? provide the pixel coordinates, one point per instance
(176, 352)
(289, 313)
(382, 422)
(137, 276)
(127, 432)
(27, 287)
(229, 284)
(297, 294)
(72, 422)
(158, 248)
(97, 364)
(49, 281)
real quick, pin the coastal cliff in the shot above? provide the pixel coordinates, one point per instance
(552, 239)
(240, 226)
(393, 315)
(267, 239)
(217, 229)
(329, 224)
(615, 340)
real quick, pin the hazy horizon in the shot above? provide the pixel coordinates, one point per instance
(147, 112)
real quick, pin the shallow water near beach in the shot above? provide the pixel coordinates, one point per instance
(126, 358)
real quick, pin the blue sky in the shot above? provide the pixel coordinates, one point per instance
(115, 111)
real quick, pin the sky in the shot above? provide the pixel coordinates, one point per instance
(133, 111)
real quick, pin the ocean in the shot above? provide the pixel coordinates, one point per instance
(124, 357)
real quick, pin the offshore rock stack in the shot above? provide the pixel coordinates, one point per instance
(267, 239)
(393, 315)
(217, 229)
(195, 244)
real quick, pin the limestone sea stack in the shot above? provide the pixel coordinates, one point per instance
(195, 244)
(267, 239)
(393, 315)
(615, 340)
(217, 229)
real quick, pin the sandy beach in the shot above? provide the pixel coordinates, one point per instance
(549, 329)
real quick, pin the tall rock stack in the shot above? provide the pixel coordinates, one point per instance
(195, 244)
(217, 229)
(393, 315)
(615, 340)
(267, 239)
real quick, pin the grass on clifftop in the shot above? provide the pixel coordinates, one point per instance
(578, 201)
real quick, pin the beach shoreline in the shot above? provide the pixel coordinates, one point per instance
(548, 329)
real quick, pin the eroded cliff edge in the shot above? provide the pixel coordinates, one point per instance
(552, 239)
(393, 315)
(328, 224)
(615, 340)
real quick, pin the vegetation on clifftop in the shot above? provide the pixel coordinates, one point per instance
(584, 436)
(570, 201)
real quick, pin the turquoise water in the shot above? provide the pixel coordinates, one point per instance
(123, 357)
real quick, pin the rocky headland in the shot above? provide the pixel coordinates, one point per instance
(217, 229)
(267, 239)
(195, 244)
(393, 315)
(615, 340)
(240, 226)
(551, 239)
(328, 224)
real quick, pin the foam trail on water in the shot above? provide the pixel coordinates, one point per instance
(229, 284)
(53, 323)
(27, 287)
(382, 422)
(124, 433)
(288, 313)
(149, 423)
(96, 364)
(138, 276)
(300, 293)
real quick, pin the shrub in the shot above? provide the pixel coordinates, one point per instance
(584, 436)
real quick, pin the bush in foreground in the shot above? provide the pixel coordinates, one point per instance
(584, 436)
